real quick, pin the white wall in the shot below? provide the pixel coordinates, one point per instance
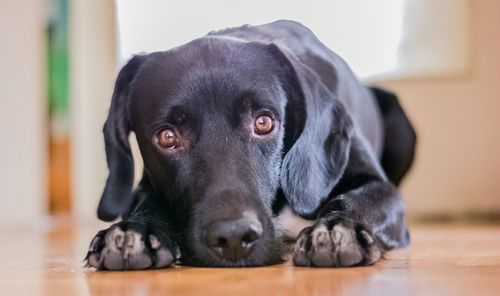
(378, 39)
(457, 172)
(22, 112)
(92, 72)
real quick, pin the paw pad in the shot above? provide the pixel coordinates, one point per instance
(119, 249)
(339, 246)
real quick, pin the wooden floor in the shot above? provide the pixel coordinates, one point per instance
(442, 260)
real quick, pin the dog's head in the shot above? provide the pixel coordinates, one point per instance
(222, 126)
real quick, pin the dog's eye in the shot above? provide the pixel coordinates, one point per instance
(167, 139)
(263, 124)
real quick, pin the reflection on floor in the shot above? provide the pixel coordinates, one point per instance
(442, 260)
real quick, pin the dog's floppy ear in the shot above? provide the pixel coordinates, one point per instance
(117, 197)
(318, 153)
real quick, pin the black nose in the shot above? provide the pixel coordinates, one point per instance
(233, 239)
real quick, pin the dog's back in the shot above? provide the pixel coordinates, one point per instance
(400, 137)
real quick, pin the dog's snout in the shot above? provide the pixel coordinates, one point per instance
(233, 239)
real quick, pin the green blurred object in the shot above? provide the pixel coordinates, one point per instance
(59, 164)
(58, 65)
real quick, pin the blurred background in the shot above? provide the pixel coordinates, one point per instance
(59, 59)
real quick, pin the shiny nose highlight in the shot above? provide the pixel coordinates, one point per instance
(233, 239)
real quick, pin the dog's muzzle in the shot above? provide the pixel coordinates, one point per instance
(233, 239)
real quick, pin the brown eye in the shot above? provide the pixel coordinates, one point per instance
(167, 139)
(263, 125)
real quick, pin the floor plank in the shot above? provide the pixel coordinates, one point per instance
(442, 260)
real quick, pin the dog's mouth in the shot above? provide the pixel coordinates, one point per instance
(273, 254)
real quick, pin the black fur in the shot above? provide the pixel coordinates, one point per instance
(322, 158)
(400, 137)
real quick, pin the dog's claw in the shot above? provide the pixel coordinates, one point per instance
(336, 246)
(123, 248)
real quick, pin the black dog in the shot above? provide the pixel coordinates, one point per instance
(232, 127)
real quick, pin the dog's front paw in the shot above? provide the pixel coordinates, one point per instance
(129, 246)
(336, 242)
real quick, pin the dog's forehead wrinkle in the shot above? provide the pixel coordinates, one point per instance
(225, 84)
(209, 85)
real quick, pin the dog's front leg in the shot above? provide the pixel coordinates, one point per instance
(143, 240)
(363, 218)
